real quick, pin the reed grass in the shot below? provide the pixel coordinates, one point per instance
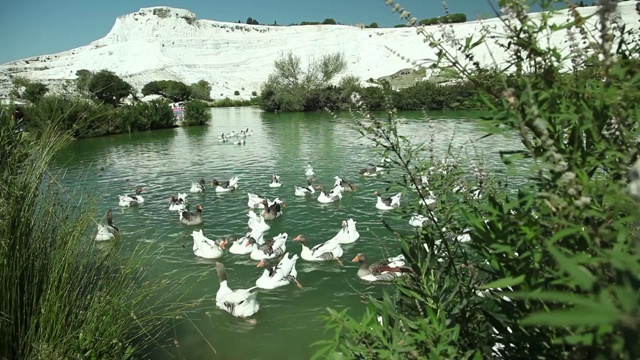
(62, 295)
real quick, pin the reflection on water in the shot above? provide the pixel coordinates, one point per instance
(165, 162)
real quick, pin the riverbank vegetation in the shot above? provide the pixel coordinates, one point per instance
(291, 88)
(63, 295)
(94, 105)
(547, 268)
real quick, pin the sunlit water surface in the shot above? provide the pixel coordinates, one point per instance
(165, 162)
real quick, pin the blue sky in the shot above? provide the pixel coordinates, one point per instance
(37, 27)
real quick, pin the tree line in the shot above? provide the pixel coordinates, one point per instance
(291, 87)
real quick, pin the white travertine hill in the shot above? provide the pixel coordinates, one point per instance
(163, 43)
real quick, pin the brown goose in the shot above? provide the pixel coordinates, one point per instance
(272, 211)
(191, 218)
(384, 270)
(110, 227)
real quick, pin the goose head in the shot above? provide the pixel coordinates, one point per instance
(302, 239)
(361, 258)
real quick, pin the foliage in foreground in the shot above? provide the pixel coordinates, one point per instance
(552, 267)
(62, 296)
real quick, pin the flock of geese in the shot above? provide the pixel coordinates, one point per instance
(271, 254)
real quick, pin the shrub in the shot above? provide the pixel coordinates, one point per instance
(196, 112)
(84, 118)
(447, 19)
(236, 93)
(155, 114)
(226, 102)
(547, 268)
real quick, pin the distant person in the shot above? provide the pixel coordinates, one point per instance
(18, 117)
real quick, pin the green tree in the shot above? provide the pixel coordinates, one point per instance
(201, 90)
(82, 80)
(373, 25)
(29, 90)
(109, 88)
(289, 86)
(170, 89)
(328, 21)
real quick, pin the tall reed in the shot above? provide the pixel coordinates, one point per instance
(61, 296)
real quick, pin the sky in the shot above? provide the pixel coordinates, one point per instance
(39, 27)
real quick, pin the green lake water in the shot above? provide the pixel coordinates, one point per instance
(165, 162)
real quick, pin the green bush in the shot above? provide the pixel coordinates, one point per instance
(447, 19)
(226, 102)
(84, 118)
(551, 266)
(196, 112)
(155, 114)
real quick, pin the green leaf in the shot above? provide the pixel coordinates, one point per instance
(578, 273)
(502, 283)
(566, 232)
(573, 317)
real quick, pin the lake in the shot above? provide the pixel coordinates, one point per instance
(166, 162)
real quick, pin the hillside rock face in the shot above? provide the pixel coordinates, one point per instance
(163, 43)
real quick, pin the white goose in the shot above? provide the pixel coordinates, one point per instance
(418, 220)
(372, 171)
(347, 186)
(179, 203)
(388, 203)
(275, 181)
(427, 199)
(226, 186)
(131, 200)
(283, 274)
(198, 187)
(243, 246)
(270, 249)
(241, 303)
(329, 250)
(256, 201)
(309, 171)
(206, 248)
(256, 222)
(332, 196)
(348, 234)
(305, 190)
(109, 231)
